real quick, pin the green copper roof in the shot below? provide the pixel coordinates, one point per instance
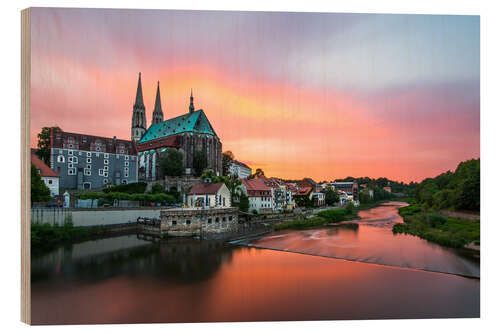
(195, 122)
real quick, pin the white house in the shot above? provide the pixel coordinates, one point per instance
(240, 169)
(49, 176)
(260, 195)
(209, 195)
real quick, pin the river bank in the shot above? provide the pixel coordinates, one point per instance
(329, 217)
(435, 227)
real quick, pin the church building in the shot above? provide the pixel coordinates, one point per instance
(187, 133)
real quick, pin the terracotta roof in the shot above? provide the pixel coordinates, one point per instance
(205, 188)
(45, 170)
(304, 191)
(59, 139)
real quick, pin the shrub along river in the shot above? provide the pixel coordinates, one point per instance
(318, 274)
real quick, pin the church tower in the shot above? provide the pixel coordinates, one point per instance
(191, 105)
(139, 114)
(157, 112)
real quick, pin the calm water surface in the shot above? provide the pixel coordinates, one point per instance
(129, 280)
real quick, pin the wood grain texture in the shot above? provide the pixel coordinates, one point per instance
(25, 165)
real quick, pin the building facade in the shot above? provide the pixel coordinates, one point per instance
(239, 169)
(85, 162)
(259, 195)
(49, 177)
(209, 195)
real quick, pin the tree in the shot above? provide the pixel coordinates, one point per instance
(157, 189)
(258, 172)
(331, 196)
(39, 191)
(244, 203)
(227, 159)
(171, 164)
(43, 145)
(199, 162)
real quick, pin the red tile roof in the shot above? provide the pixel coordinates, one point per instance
(304, 191)
(253, 185)
(205, 188)
(45, 171)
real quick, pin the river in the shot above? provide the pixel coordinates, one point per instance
(321, 274)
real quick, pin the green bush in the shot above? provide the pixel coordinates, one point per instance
(139, 187)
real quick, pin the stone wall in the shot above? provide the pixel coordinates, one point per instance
(193, 222)
(91, 217)
(182, 184)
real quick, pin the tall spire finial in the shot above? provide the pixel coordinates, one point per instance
(191, 105)
(138, 97)
(157, 111)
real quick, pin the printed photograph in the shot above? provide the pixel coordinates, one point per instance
(229, 166)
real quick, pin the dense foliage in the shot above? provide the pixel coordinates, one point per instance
(331, 196)
(157, 188)
(380, 183)
(322, 218)
(200, 162)
(171, 164)
(139, 187)
(244, 203)
(39, 191)
(43, 145)
(45, 236)
(458, 190)
(144, 198)
(447, 231)
(227, 159)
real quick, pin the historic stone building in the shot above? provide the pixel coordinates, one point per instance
(85, 162)
(187, 133)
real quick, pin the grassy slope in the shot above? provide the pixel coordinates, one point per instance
(447, 231)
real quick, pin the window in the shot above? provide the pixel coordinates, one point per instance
(79, 153)
(174, 222)
(71, 171)
(124, 181)
(105, 173)
(224, 219)
(73, 159)
(89, 160)
(105, 168)
(106, 161)
(125, 175)
(106, 155)
(101, 172)
(89, 154)
(87, 172)
(70, 152)
(217, 220)
(188, 222)
(70, 165)
(210, 220)
(126, 163)
(50, 181)
(97, 154)
(126, 159)
(89, 166)
(60, 159)
(105, 181)
(230, 218)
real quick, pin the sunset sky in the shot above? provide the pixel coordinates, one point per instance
(297, 94)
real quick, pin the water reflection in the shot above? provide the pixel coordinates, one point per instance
(129, 280)
(374, 242)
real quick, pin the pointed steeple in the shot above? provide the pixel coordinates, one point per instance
(139, 103)
(157, 112)
(191, 105)
(138, 114)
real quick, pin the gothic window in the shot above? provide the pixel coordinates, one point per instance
(124, 181)
(60, 159)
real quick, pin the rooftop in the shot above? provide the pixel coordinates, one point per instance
(206, 188)
(194, 122)
(45, 170)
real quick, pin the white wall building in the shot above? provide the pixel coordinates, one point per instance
(49, 176)
(259, 195)
(240, 169)
(209, 195)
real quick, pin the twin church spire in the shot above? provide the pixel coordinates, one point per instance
(139, 126)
